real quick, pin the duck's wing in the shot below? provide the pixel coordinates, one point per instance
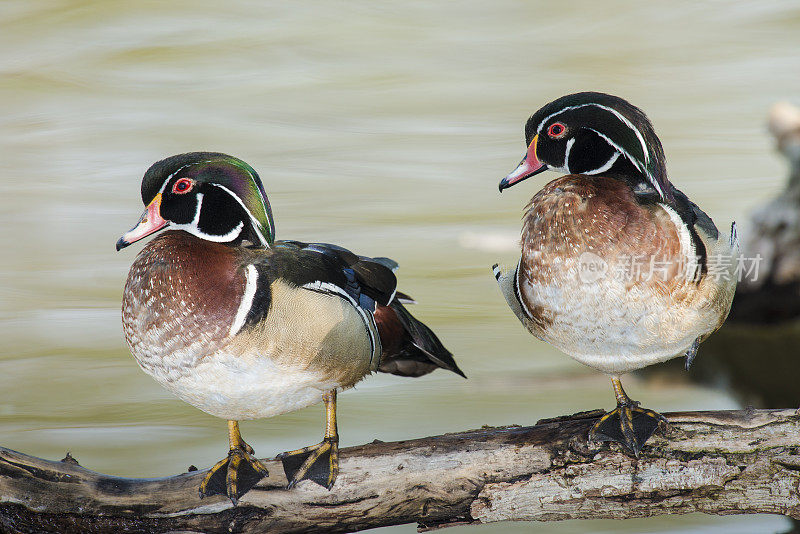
(409, 347)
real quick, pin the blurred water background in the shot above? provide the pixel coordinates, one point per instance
(381, 127)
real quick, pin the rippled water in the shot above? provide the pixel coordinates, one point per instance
(382, 128)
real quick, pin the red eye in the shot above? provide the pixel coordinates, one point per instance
(182, 186)
(556, 130)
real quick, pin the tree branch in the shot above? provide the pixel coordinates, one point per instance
(729, 462)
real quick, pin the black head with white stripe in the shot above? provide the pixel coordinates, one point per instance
(213, 196)
(594, 134)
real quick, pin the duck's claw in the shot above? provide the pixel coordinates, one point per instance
(319, 463)
(628, 425)
(233, 476)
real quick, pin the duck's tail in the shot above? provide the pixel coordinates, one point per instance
(409, 347)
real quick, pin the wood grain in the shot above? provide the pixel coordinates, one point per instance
(728, 462)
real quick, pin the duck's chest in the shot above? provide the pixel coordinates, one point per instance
(598, 271)
(180, 301)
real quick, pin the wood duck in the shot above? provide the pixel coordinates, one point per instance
(619, 269)
(242, 326)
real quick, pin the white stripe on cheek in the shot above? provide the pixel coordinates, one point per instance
(570, 142)
(194, 228)
(196, 219)
(608, 165)
(614, 112)
(635, 162)
(630, 125)
(258, 227)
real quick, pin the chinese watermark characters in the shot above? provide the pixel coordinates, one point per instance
(644, 268)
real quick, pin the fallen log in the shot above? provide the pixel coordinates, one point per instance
(726, 462)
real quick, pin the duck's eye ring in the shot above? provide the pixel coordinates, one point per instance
(557, 130)
(184, 185)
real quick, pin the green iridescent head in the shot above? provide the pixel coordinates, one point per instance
(213, 196)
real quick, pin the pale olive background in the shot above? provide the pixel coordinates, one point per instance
(382, 127)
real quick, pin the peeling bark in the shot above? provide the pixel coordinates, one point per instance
(730, 462)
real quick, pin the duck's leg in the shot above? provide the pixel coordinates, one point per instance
(238, 473)
(320, 462)
(628, 425)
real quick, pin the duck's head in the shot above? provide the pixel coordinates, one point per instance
(213, 196)
(594, 133)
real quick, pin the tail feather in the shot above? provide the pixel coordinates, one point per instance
(734, 236)
(404, 298)
(386, 262)
(409, 347)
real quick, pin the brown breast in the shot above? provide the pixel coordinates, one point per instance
(585, 218)
(180, 299)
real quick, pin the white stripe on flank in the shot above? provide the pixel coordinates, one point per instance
(328, 287)
(251, 275)
(366, 316)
